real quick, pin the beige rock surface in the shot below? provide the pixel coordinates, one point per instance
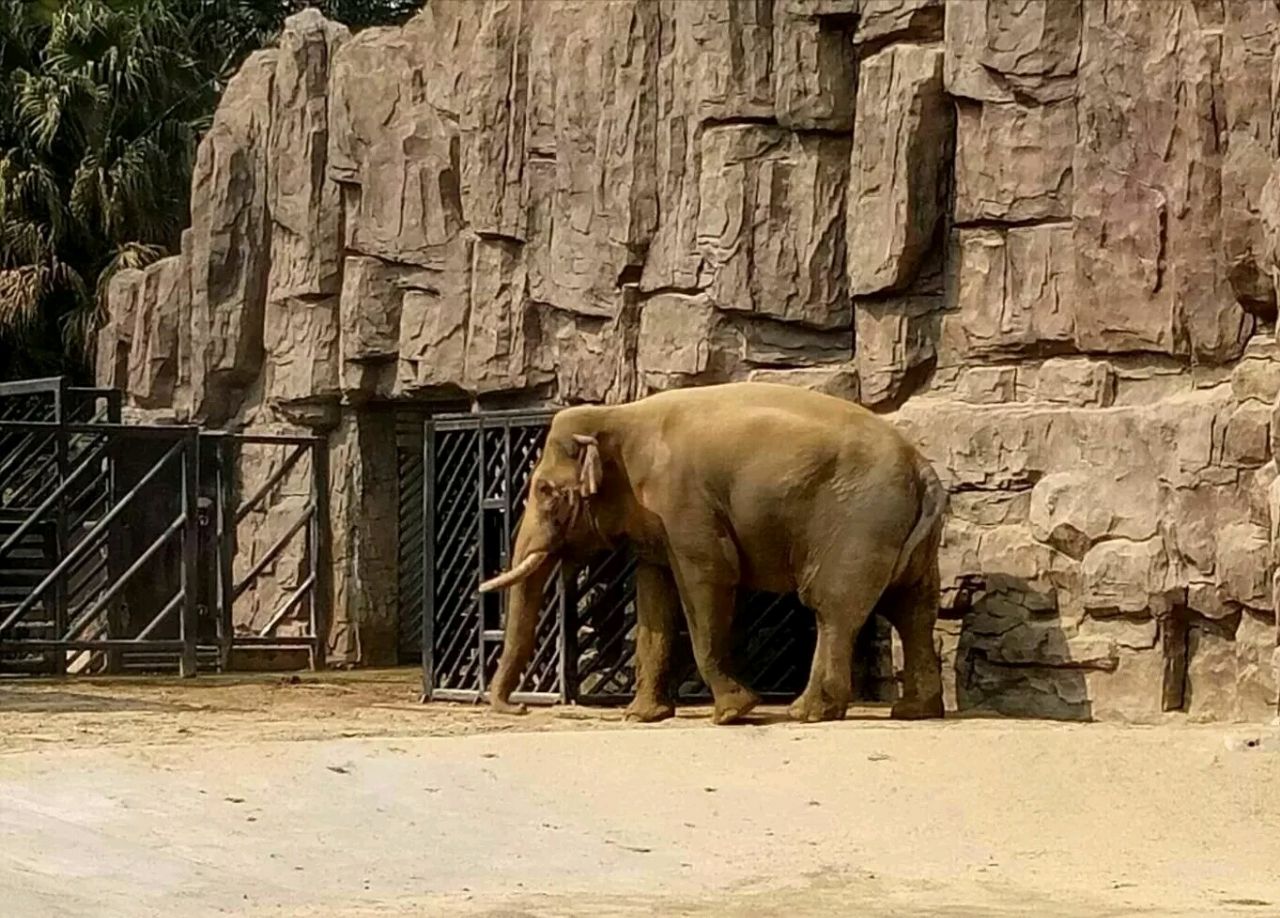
(1040, 235)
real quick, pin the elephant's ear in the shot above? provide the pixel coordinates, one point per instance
(590, 466)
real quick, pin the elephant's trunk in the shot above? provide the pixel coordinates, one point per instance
(521, 629)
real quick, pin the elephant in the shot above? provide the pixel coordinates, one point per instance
(758, 485)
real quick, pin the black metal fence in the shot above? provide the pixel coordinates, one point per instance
(476, 472)
(472, 481)
(117, 542)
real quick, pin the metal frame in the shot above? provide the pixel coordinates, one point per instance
(73, 599)
(312, 523)
(457, 663)
(64, 496)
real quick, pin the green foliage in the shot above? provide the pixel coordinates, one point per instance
(102, 103)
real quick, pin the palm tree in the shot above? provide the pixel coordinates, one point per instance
(102, 103)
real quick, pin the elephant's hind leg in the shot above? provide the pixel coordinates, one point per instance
(656, 606)
(913, 611)
(842, 603)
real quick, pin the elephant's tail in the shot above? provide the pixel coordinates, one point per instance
(933, 507)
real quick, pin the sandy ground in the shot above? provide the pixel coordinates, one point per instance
(342, 797)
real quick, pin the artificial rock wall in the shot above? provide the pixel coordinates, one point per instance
(1040, 234)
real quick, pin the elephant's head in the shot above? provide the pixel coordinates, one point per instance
(560, 522)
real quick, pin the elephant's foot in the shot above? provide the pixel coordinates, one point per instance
(733, 705)
(504, 706)
(648, 710)
(812, 709)
(915, 709)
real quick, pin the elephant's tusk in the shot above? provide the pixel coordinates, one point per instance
(516, 574)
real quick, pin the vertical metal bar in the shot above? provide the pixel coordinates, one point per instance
(226, 548)
(478, 601)
(568, 613)
(428, 558)
(508, 494)
(115, 544)
(189, 458)
(321, 567)
(61, 440)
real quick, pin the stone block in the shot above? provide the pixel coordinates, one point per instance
(397, 155)
(882, 21)
(1079, 382)
(115, 338)
(814, 72)
(230, 241)
(840, 381)
(434, 313)
(991, 508)
(1140, 208)
(1247, 437)
(903, 137)
(1013, 290)
(1243, 559)
(1075, 510)
(1128, 578)
(590, 198)
(893, 338)
(682, 340)
(988, 385)
(1230, 676)
(1034, 45)
(1013, 162)
(369, 320)
(764, 249)
(1132, 693)
(1249, 35)
(965, 37)
(769, 343)
(306, 206)
(1256, 378)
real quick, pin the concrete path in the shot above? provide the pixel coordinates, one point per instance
(868, 817)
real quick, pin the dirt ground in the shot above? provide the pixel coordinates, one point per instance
(341, 796)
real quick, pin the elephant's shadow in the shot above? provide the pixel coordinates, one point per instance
(1008, 652)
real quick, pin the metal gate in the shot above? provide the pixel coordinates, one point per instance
(115, 554)
(113, 509)
(475, 470)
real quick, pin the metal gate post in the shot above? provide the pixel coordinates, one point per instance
(190, 457)
(62, 537)
(482, 563)
(226, 542)
(428, 558)
(321, 567)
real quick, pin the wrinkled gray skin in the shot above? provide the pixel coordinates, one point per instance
(763, 486)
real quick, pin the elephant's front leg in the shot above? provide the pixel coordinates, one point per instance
(709, 608)
(656, 606)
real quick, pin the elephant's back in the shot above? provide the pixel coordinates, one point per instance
(761, 418)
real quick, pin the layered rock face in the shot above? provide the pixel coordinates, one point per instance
(1040, 235)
